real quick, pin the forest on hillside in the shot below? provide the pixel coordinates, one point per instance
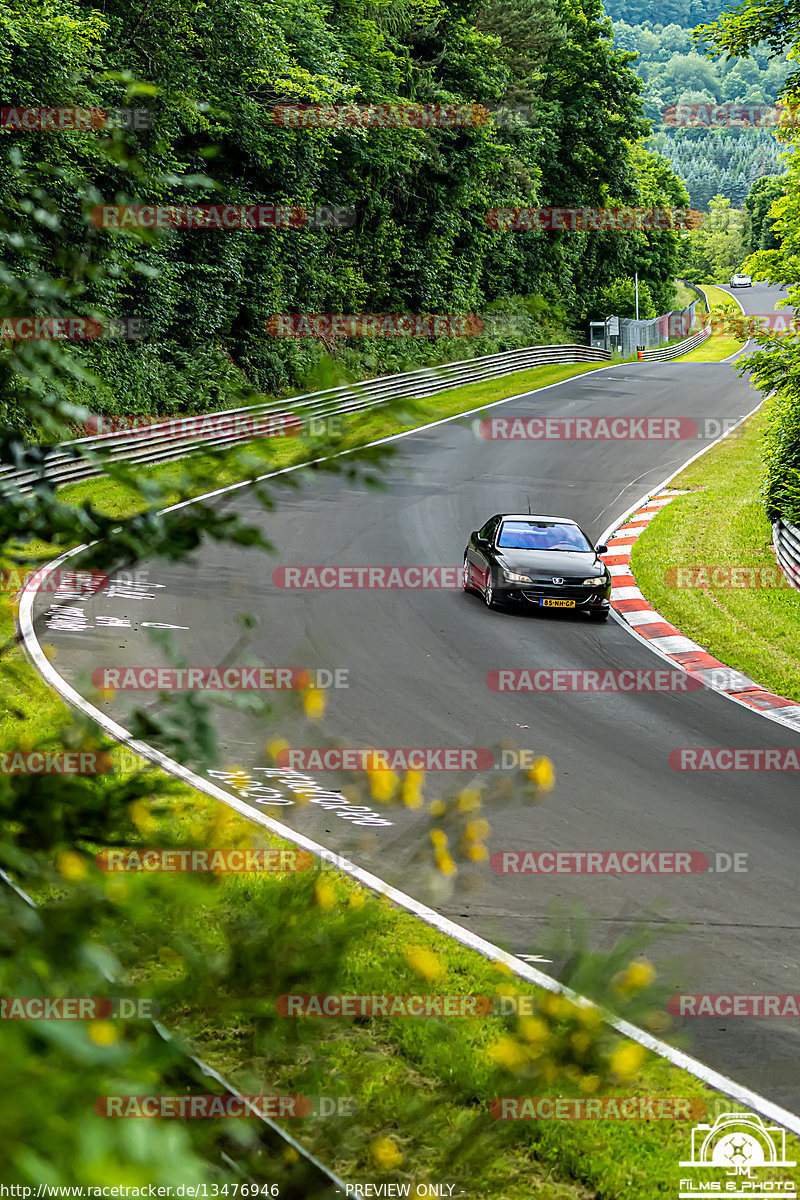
(716, 161)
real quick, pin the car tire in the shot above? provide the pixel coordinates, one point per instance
(489, 598)
(599, 616)
(466, 585)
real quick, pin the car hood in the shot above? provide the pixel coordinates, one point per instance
(552, 562)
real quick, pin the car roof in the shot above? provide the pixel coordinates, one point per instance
(536, 517)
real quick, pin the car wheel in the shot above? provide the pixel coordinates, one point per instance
(602, 615)
(489, 596)
(465, 580)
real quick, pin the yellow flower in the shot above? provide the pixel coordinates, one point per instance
(439, 838)
(553, 1005)
(102, 1033)
(385, 1154)
(71, 866)
(534, 1029)
(324, 894)
(411, 793)
(424, 962)
(357, 900)
(581, 1042)
(275, 746)
(141, 816)
(542, 774)
(477, 831)
(626, 1061)
(637, 976)
(437, 808)
(314, 703)
(290, 1155)
(476, 852)
(224, 819)
(508, 1053)
(445, 863)
(589, 1016)
(382, 784)
(469, 800)
(589, 1083)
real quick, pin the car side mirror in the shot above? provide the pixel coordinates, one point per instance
(601, 548)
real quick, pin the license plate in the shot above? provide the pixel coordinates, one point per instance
(548, 603)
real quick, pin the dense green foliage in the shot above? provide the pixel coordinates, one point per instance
(717, 249)
(420, 242)
(776, 238)
(763, 195)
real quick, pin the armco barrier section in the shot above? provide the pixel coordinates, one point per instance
(167, 440)
(786, 541)
(667, 352)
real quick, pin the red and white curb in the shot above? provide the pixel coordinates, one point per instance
(630, 605)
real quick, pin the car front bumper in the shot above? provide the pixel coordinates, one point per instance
(579, 599)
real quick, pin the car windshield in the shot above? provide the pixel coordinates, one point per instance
(541, 535)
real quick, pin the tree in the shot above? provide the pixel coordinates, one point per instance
(762, 196)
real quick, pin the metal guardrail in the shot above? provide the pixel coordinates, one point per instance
(170, 439)
(679, 348)
(786, 542)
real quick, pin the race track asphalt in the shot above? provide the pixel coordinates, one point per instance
(417, 662)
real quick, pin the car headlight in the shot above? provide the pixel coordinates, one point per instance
(513, 577)
(595, 581)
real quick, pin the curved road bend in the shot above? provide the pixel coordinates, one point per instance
(418, 661)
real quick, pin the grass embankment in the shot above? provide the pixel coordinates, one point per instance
(717, 346)
(721, 523)
(379, 1061)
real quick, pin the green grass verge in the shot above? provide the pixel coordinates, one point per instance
(379, 1060)
(721, 523)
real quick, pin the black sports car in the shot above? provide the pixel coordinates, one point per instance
(545, 562)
